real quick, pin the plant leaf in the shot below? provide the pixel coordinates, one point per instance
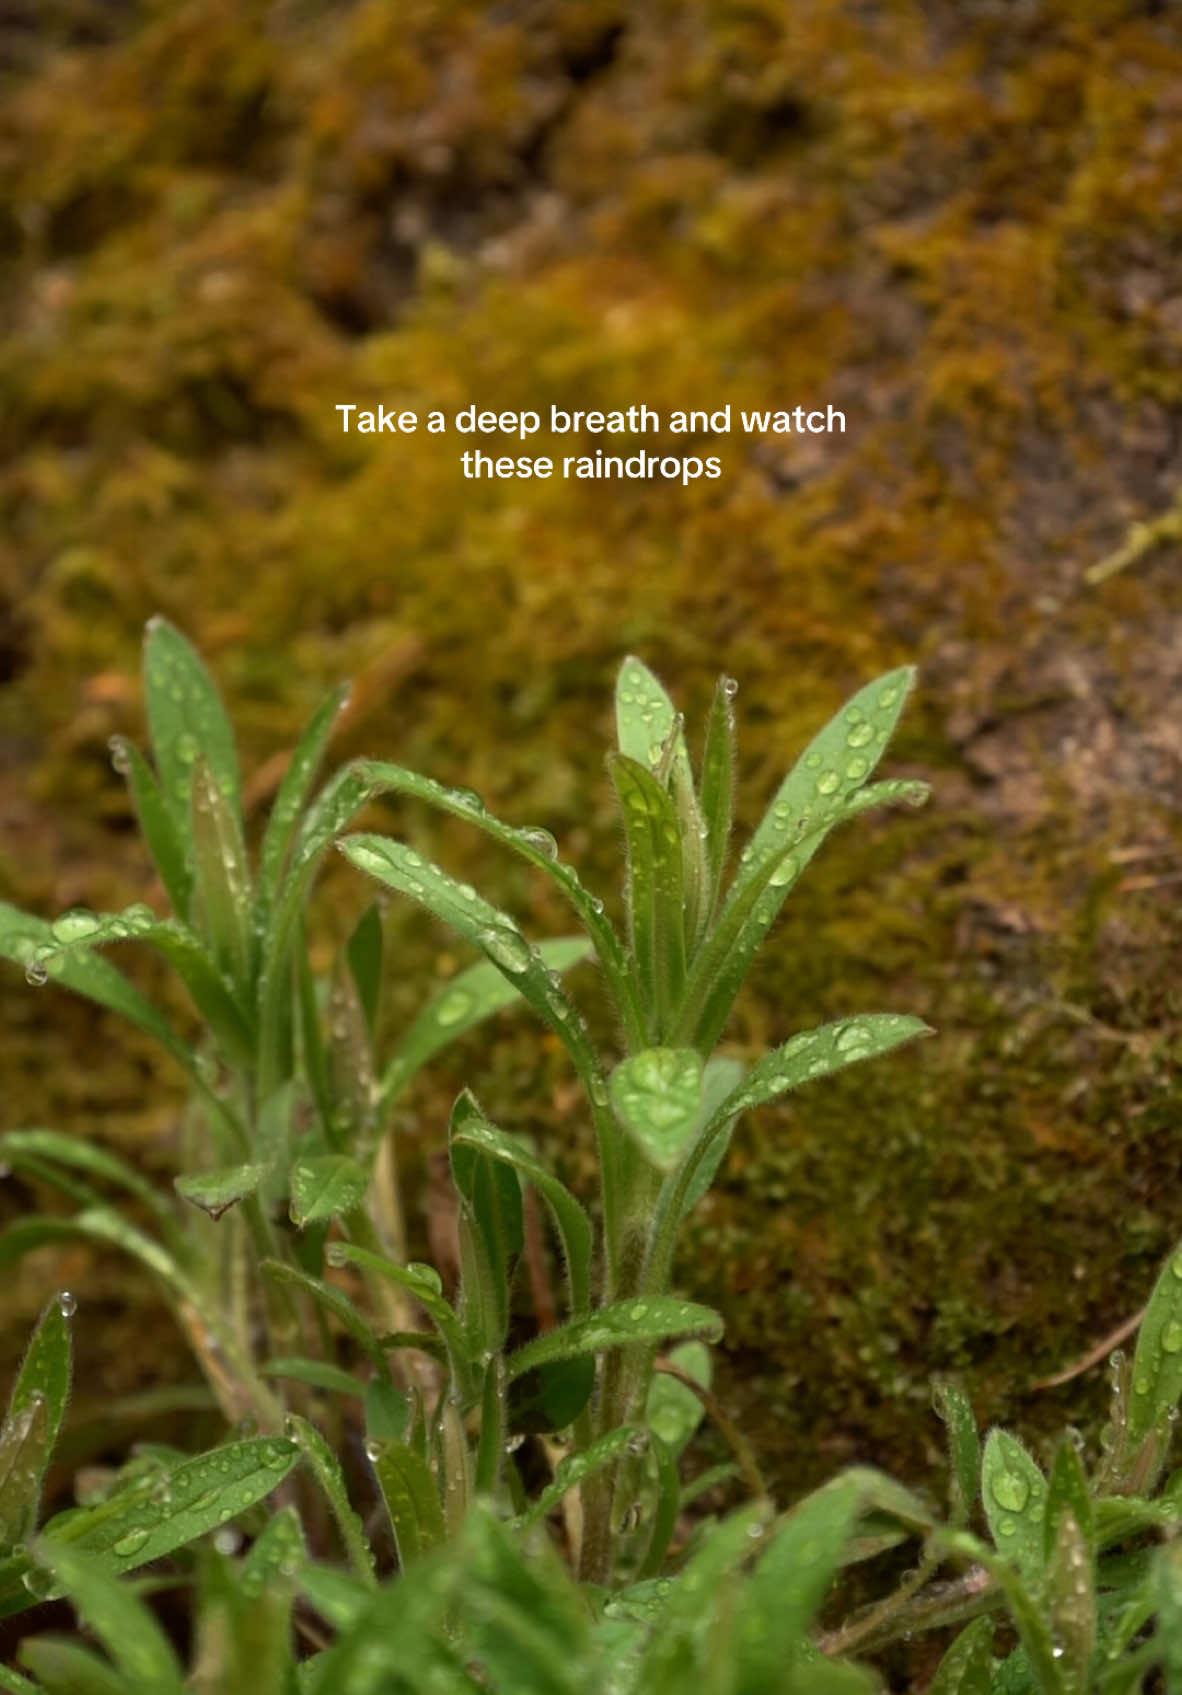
(63, 1668)
(411, 1495)
(656, 887)
(1167, 1574)
(364, 951)
(425, 1291)
(215, 1192)
(576, 1468)
(166, 1512)
(967, 1667)
(59, 1148)
(187, 719)
(673, 1412)
(121, 1621)
(326, 1187)
(623, 1324)
(168, 848)
(1014, 1494)
(657, 1095)
(964, 1447)
(470, 997)
(785, 1591)
(23, 938)
(471, 1128)
(459, 907)
(318, 1374)
(1070, 1598)
(384, 778)
(24, 1458)
(223, 895)
(332, 1300)
(1067, 1492)
(46, 1370)
(1157, 1362)
(718, 785)
(277, 1554)
(294, 790)
(327, 1471)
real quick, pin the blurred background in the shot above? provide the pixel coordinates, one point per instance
(959, 221)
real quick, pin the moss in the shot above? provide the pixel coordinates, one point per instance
(955, 226)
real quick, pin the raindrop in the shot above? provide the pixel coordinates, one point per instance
(67, 1303)
(1011, 1491)
(131, 1542)
(1171, 1339)
(513, 1443)
(860, 735)
(120, 755)
(507, 948)
(37, 968)
(730, 687)
(535, 837)
(827, 782)
(784, 872)
(373, 1451)
(227, 1541)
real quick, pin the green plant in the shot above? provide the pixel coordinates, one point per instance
(1084, 1561)
(291, 1098)
(154, 1506)
(664, 1109)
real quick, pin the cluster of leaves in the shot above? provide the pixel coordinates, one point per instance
(283, 1259)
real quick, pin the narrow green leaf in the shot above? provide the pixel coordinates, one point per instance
(387, 1411)
(1167, 1572)
(422, 1284)
(1032, 1627)
(718, 784)
(1014, 1495)
(63, 1668)
(117, 1616)
(277, 1554)
(551, 1397)
(46, 1370)
(24, 1458)
(187, 719)
(1068, 1491)
(223, 894)
(656, 887)
(30, 942)
(326, 1187)
(411, 1495)
(293, 792)
(1157, 1362)
(472, 1129)
(669, 1650)
(720, 1078)
(66, 955)
(364, 951)
(317, 1374)
(621, 1325)
(215, 1192)
(576, 1468)
(333, 1300)
(326, 1469)
(537, 850)
(967, 1667)
(646, 717)
(60, 1148)
(785, 1591)
(523, 1619)
(470, 997)
(168, 848)
(459, 907)
(15, 1684)
(673, 1412)
(964, 1447)
(821, 1052)
(167, 1512)
(657, 1095)
(1070, 1599)
(491, 1235)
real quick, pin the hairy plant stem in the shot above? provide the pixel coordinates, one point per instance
(905, 1613)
